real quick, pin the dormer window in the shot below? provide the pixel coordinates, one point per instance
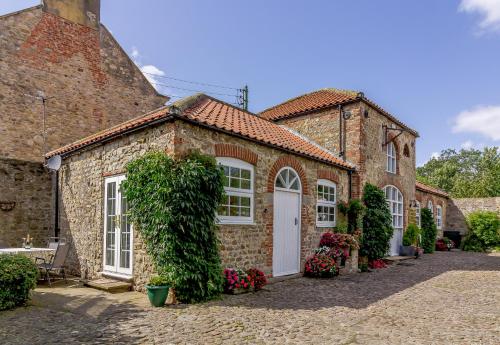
(391, 158)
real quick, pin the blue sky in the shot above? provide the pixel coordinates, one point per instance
(434, 64)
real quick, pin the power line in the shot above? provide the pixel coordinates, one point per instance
(191, 82)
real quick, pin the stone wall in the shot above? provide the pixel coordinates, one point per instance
(82, 183)
(458, 209)
(90, 83)
(424, 197)
(25, 203)
(365, 139)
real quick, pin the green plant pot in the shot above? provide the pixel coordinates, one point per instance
(157, 295)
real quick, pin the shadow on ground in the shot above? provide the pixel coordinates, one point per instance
(57, 317)
(361, 290)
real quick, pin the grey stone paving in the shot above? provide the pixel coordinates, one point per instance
(444, 298)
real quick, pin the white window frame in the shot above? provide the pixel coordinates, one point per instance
(237, 163)
(397, 217)
(391, 164)
(439, 217)
(418, 217)
(430, 206)
(326, 224)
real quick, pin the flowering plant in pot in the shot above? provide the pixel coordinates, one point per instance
(158, 290)
(320, 266)
(239, 281)
(444, 244)
(410, 238)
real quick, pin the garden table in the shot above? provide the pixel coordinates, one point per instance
(32, 253)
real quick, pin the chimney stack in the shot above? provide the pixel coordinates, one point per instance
(84, 12)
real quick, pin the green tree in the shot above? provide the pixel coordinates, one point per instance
(428, 230)
(173, 205)
(486, 226)
(464, 174)
(377, 224)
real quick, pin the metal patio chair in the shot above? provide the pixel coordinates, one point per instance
(56, 264)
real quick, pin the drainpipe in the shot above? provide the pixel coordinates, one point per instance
(56, 220)
(341, 150)
(349, 174)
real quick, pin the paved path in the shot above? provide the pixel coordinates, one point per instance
(444, 298)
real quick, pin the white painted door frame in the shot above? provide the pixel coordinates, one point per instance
(295, 196)
(116, 266)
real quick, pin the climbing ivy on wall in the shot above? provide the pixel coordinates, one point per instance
(172, 204)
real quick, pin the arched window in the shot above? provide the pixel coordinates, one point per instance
(417, 214)
(439, 217)
(237, 205)
(288, 179)
(391, 158)
(326, 204)
(395, 200)
(430, 207)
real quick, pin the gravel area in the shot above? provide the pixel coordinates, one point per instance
(443, 298)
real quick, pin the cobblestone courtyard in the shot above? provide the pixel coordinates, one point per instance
(444, 298)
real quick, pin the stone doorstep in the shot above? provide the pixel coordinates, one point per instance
(108, 285)
(396, 259)
(273, 280)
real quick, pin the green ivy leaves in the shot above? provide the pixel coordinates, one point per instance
(172, 204)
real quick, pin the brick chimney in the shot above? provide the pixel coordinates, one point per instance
(84, 12)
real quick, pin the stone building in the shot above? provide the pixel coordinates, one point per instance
(436, 201)
(382, 147)
(269, 219)
(56, 56)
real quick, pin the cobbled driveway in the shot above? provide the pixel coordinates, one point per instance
(443, 298)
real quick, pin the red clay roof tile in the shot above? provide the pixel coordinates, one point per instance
(428, 189)
(321, 99)
(205, 110)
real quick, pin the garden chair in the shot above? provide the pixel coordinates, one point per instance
(56, 264)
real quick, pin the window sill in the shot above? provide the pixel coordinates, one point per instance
(120, 276)
(326, 225)
(236, 223)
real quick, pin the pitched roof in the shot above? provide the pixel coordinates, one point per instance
(321, 99)
(428, 189)
(210, 112)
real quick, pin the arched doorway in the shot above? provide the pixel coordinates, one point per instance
(395, 201)
(286, 228)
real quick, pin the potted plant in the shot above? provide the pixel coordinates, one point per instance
(410, 237)
(158, 290)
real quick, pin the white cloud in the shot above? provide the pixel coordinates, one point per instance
(435, 155)
(151, 72)
(467, 145)
(484, 120)
(488, 9)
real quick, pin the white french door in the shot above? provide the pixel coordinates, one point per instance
(118, 233)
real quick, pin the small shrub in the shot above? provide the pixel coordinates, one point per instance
(159, 281)
(239, 279)
(341, 227)
(320, 266)
(377, 224)
(486, 226)
(472, 243)
(258, 278)
(428, 230)
(18, 276)
(410, 236)
(377, 264)
(444, 244)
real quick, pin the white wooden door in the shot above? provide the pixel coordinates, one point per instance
(118, 234)
(286, 238)
(396, 240)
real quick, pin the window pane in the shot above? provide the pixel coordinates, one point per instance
(222, 210)
(235, 183)
(235, 172)
(295, 184)
(245, 184)
(245, 174)
(245, 212)
(245, 201)
(234, 211)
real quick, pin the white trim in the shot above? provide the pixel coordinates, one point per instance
(391, 163)
(439, 217)
(116, 269)
(326, 224)
(430, 206)
(299, 225)
(230, 191)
